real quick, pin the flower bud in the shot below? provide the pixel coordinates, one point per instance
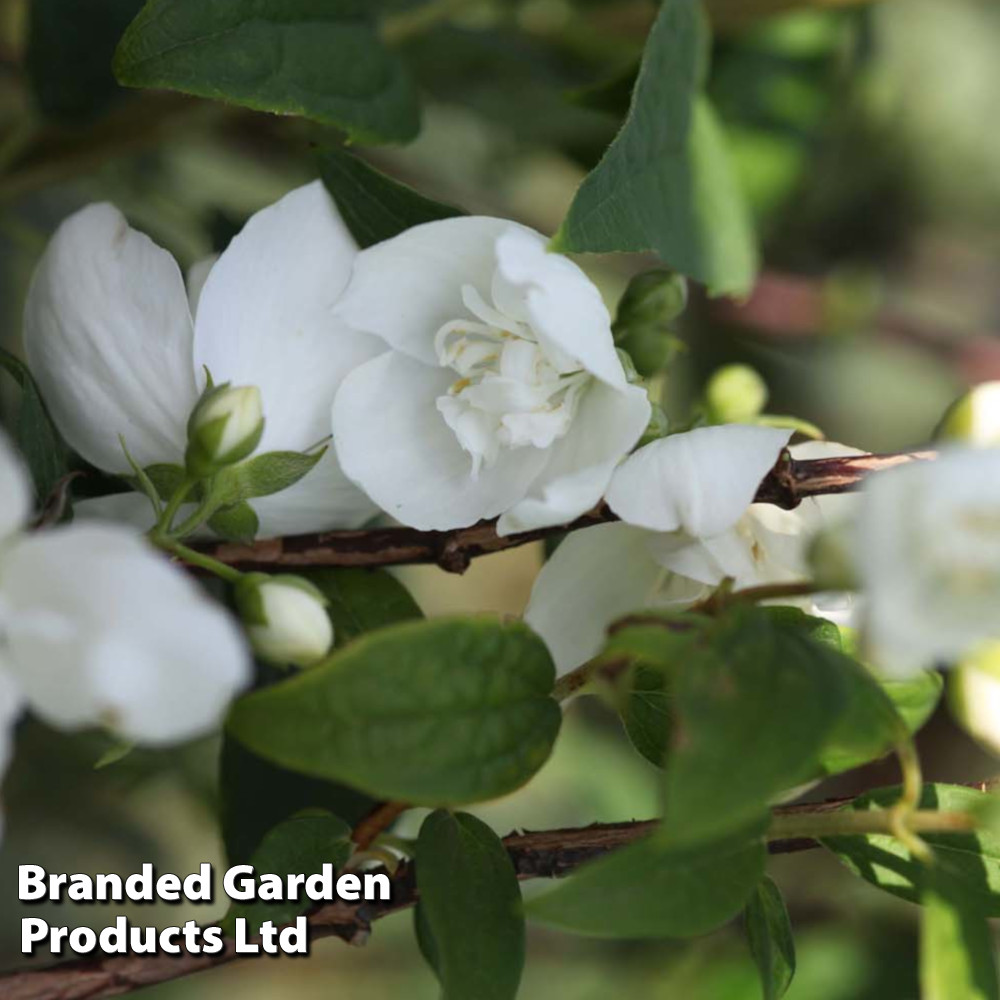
(225, 426)
(735, 394)
(974, 695)
(286, 619)
(974, 418)
(649, 307)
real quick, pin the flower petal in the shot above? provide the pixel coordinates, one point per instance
(560, 303)
(405, 289)
(700, 482)
(103, 630)
(15, 489)
(594, 577)
(108, 338)
(264, 316)
(607, 425)
(395, 445)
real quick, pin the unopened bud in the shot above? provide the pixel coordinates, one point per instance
(224, 428)
(286, 619)
(974, 418)
(974, 695)
(646, 313)
(735, 394)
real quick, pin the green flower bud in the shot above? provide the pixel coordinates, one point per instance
(650, 305)
(974, 695)
(735, 394)
(974, 418)
(224, 428)
(286, 619)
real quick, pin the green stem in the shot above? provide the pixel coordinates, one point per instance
(194, 558)
(173, 506)
(850, 822)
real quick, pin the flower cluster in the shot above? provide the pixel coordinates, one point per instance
(459, 371)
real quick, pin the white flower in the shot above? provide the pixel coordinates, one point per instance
(689, 523)
(502, 392)
(928, 552)
(96, 628)
(110, 338)
(286, 619)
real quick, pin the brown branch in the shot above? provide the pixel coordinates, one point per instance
(543, 854)
(787, 485)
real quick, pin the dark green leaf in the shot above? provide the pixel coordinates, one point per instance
(321, 59)
(470, 926)
(769, 933)
(236, 523)
(666, 183)
(956, 949)
(434, 713)
(362, 600)
(257, 795)
(373, 206)
(647, 714)
(756, 701)
(655, 889)
(34, 432)
(967, 865)
(300, 845)
(68, 57)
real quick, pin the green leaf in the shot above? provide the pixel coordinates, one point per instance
(321, 59)
(300, 845)
(69, 51)
(956, 950)
(878, 713)
(257, 795)
(361, 600)
(431, 713)
(666, 182)
(373, 206)
(755, 700)
(769, 933)
(236, 523)
(654, 889)
(34, 432)
(967, 865)
(470, 926)
(261, 476)
(647, 714)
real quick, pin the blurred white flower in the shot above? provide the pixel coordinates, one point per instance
(98, 629)
(689, 522)
(974, 695)
(501, 393)
(928, 553)
(117, 349)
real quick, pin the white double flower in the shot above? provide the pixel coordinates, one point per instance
(500, 392)
(98, 629)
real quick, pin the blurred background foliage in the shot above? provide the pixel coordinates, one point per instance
(863, 137)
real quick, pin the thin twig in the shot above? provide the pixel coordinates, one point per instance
(787, 485)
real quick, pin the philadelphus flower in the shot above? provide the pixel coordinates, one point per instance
(501, 393)
(286, 619)
(928, 552)
(98, 629)
(688, 522)
(117, 349)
